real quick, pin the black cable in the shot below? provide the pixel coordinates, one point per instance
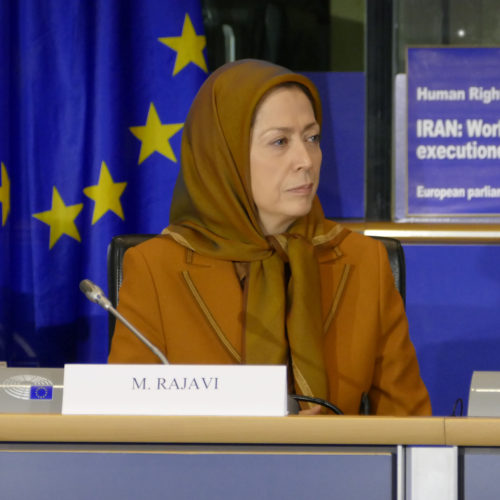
(365, 406)
(318, 401)
(458, 402)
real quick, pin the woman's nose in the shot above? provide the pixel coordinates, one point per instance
(302, 156)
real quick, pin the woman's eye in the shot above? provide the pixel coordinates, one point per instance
(315, 138)
(280, 142)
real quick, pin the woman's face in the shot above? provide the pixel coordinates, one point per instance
(285, 158)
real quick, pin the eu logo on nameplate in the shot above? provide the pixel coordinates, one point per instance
(41, 392)
(236, 390)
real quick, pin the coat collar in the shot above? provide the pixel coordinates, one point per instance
(215, 287)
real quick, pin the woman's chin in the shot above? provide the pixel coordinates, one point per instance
(300, 208)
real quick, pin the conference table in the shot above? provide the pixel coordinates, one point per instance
(52, 456)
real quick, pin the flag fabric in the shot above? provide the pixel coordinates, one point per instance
(93, 97)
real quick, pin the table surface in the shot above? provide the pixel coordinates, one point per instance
(296, 429)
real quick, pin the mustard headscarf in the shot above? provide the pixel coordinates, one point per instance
(214, 214)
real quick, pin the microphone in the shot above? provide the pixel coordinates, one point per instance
(95, 294)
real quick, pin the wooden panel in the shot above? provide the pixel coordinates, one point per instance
(269, 430)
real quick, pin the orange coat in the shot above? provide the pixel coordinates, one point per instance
(191, 307)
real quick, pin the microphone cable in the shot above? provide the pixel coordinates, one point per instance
(318, 401)
(458, 408)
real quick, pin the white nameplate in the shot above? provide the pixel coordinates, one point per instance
(242, 390)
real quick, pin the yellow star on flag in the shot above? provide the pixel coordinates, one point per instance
(189, 47)
(106, 195)
(5, 195)
(155, 136)
(60, 218)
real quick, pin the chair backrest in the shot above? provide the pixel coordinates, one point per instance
(116, 250)
(396, 255)
(120, 244)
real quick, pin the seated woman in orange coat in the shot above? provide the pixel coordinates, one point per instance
(250, 271)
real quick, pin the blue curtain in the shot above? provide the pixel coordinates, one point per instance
(93, 96)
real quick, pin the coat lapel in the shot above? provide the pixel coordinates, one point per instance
(334, 277)
(215, 288)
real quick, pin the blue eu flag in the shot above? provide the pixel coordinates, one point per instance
(93, 97)
(41, 392)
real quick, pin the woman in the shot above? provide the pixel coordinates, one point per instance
(250, 271)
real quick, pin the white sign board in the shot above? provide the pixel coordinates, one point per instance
(239, 390)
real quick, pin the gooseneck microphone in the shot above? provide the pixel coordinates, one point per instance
(95, 294)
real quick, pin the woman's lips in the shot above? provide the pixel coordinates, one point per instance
(302, 189)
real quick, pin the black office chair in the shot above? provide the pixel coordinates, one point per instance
(116, 250)
(120, 244)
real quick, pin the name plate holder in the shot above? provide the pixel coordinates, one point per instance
(215, 390)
